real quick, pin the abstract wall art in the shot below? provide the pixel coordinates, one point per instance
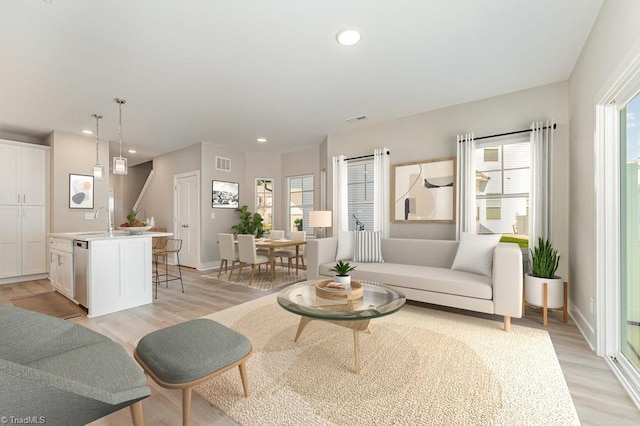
(424, 191)
(80, 191)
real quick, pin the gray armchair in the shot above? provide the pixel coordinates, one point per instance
(64, 373)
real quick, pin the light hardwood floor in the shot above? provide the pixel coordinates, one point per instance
(598, 396)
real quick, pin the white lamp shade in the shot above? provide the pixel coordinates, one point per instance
(119, 166)
(98, 171)
(320, 219)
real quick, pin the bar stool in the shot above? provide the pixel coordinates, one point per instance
(172, 245)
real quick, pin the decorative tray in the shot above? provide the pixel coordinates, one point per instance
(133, 230)
(325, 292)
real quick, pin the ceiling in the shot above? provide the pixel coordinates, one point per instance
(230, 71)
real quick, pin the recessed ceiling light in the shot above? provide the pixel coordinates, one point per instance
(262, 140)
(348, 36)
(87, 132)
(132, 151)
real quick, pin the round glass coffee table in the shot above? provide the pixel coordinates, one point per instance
(377, 301)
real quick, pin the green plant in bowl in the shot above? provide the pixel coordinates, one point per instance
(342, 268)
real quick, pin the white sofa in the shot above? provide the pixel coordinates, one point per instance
(421, 269)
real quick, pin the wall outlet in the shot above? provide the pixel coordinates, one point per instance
(591, 305)
(89, 216)
(213, 215)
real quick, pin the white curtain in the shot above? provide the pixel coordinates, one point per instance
(381, 185)
(466, 185)
(541, 188)
(340, 195)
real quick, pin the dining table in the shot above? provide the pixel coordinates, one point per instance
(273, 245)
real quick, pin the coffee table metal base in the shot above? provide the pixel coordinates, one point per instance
(356, 326)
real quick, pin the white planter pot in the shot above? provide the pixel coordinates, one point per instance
(533, 291)
(342, 279)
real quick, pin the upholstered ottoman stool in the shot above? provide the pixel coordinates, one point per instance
(190, 353)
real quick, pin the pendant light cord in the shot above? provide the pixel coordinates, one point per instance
(97, 117)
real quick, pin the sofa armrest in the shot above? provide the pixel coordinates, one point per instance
(507, 280)
(318, 252)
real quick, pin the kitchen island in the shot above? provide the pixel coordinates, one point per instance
(111, 273)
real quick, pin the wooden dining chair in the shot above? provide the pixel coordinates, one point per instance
(248, 256)
(290, 254)
(227, 253)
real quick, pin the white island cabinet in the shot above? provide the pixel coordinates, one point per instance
(117, 270)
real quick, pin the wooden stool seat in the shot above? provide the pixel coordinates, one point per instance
(187, 354)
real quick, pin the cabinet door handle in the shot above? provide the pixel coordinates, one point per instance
(18, 198)
(24, 198)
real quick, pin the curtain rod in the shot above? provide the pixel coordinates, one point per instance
(506, 134)
(364, 156)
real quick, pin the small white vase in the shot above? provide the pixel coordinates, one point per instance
(534, 293)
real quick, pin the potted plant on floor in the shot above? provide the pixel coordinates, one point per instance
(544, 263)
(342, 270)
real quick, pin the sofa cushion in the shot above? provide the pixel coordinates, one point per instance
(475, 253)
(47, 336)
(440, 280)
(368, 246)
(345, 245)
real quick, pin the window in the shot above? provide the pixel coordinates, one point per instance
(494, 209)
(301, 197)
(264, 201)
(503, 176)
(360, 190)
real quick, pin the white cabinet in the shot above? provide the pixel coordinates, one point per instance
(61, 265)
(23, 210)
(23, 175)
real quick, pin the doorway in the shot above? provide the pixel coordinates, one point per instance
(186, 224)
(630, 232)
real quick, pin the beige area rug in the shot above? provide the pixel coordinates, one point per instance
(261, 280)
(50, 303)
(418, 366)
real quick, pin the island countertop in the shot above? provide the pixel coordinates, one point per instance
(102, 235)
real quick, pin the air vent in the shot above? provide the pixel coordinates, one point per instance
(354, 119)
(223, 164)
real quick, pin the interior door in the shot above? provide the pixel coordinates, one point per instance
(186, 223)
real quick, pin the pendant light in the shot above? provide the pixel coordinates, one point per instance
(98, 170)
(120, 163)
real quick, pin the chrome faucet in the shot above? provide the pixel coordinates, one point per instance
(109, 219)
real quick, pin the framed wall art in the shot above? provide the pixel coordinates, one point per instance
(80, 191)
(424, 191)
(225, 195)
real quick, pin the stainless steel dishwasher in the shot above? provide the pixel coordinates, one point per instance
(80, 256)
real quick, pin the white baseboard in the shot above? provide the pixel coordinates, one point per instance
(12, 280)
(209, 266)
(584, 327)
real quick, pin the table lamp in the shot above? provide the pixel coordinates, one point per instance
(320, 219)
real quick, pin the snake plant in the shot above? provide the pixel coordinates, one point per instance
(544, 259)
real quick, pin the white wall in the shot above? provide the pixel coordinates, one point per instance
(75, 154)
(224, 218)
(158, 201)
(615, 31)
(303, 162)
(432, 135)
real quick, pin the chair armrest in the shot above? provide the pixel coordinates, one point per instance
(507, 280)
(318, 252)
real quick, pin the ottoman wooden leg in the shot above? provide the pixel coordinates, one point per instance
(245, 379)
(186, 405)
